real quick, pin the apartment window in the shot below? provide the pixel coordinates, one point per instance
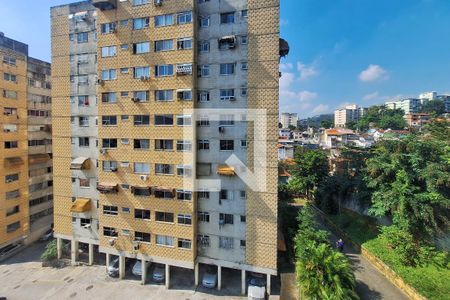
(9, 111)
(226, 145)
(244, 13)
(110, 74)
(141, 168)
(227, 69)
(184, 17)
(9, 77)
(226, 120)
(163, 169)
(123, 23)
(110, 231)
(109, 120)
(140, 2)
(141, 72)
(141, 120)
(124, 70)
(143, 214)
(244, 39)
(225, 242)
(82, 37)
(226, 219)
(12, 211)
(244, 92)
(141, 23)
(163, 194)
(109, 166)
(164, 217)
(109, 143)
(164, 240)
(184, 120)
(226, 195)
(11, 144)
(141, 96)
(243, 243)
(165, 145)
(243, 219)
(163, 45)
(203, 240)
(109, 51)
(12, 194)
(184, 170)
(184, 219)
(124, 47)
(11, 178)
(83, 100)
(110, 210)
(9, 94)
(125, 118)
(184, 69)
(84, 182)
(140, 48)
(142, 237)
(83, 121)
(203, 216)
(185, 95)
(243, 143)
(184, 43)
(203, 46)
(109, 97)
(184, 146)
(13, 227)
(185, 244)
(204, 169)
(227, 94)
(203, 145)
(184, 195)
(227, 18)
(126, 210)
(203, 195)
(141, 144)
(203, 96)
(9, 128)
(84, 222)
(203, 121)
(108, 28)
(141, 192)
(163, 70)
(203, 71)
(204, 21)
(164, 20)
(163, 120)
(164, 95)
(9, 60)
(83, 141)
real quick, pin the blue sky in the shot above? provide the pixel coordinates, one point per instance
(342, 51)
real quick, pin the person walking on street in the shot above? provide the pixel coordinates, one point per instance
(340, 245)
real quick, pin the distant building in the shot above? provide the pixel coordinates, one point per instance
(289, 119)
(429, 96)
(408, 105)
(417, 120)
(351, 113)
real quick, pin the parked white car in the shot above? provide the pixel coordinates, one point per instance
(159, 274)
(113, 268)
(256, 292)
(209, 280)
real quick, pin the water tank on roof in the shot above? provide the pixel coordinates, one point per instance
(284, 48)
(105, 4)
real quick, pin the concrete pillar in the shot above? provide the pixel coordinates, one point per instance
(167, 276)
(121, 267)
(219, 278)
(59, 247)
(268, 284)
(74, 251)
(91, 254)
(243, 283)
(144, 271)
(108, 261)
(196, 270)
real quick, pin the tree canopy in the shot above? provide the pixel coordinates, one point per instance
(381, 117)
(434, 107)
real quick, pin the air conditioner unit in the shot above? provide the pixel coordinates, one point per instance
(227, 98)
(87, 226)
(221, 129)
(136, 246)
(113, 169)
(111, 242)
(143, 177)
(7, 113)
(158, 2)
(100, 81)
(144, 78)
(9, 180)
(232, 98)
(103, 151)
(135, 99)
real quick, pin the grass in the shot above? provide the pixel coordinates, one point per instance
(430, 281)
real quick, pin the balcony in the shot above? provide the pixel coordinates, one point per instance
(105, 4)
(108, 188)
(13, 162)
(80, 163)
(81, 205)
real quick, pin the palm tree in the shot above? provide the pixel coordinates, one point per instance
(325, 274)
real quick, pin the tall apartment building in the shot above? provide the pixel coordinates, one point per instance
(25, 147)
(408, 105)
(127, 77)
(350, 113)
(288, 119)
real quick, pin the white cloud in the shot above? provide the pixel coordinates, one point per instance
(286, 80)
(373, 73)
(320, 109)
(286, 67)
(284, 22)
(307, 71)
(371, 96)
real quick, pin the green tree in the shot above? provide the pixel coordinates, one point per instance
(410, 181)
(50, 252)
(439, 129)
(309, 172)
(434, 107)
(382, 117)
(292, 127)
(326, 124)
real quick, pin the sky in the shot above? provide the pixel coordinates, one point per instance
(342, 51)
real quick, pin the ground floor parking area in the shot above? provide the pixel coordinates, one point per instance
(24, 278)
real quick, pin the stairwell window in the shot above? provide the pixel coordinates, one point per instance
(83, 100)
(164, 20)
(140, 48)
(204, 21)
(83, 141)
(82, 37)
(203, 96)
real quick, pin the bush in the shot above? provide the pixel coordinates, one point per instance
(50, 252)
